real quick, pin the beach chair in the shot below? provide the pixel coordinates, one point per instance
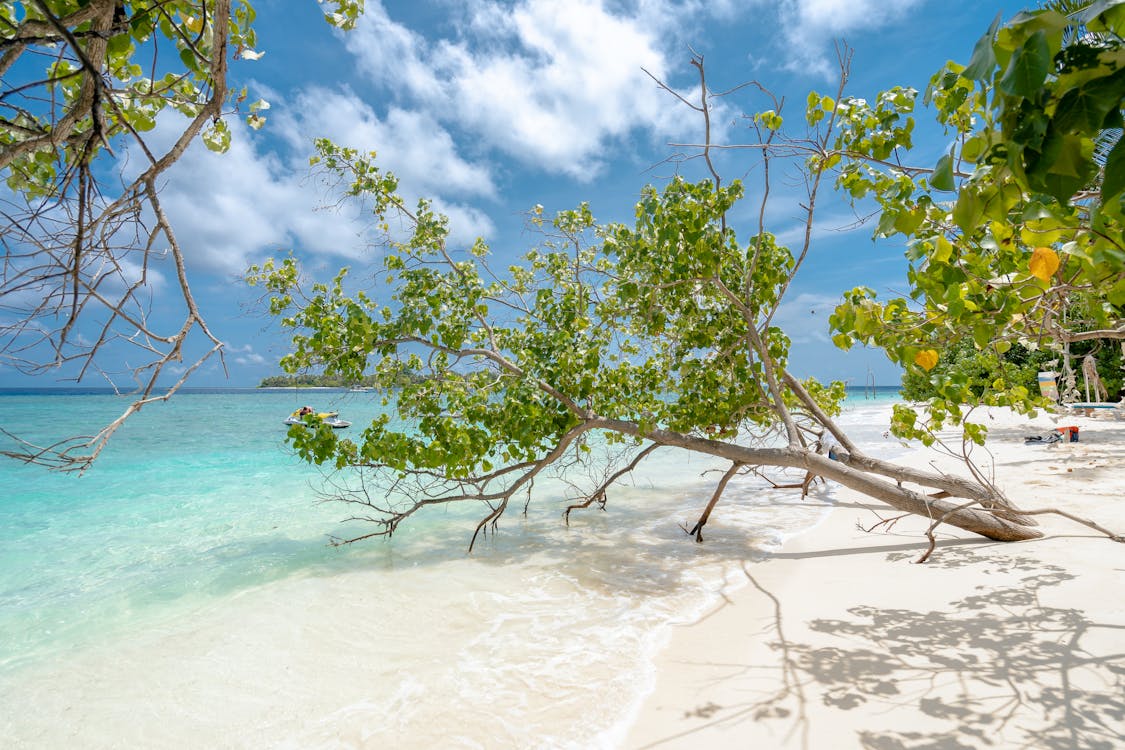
(1105, 409)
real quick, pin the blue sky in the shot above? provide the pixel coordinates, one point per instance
(492, 107)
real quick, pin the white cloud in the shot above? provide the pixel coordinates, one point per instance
(811, 25)
(114, 279)
(413, 145)
(554, 85)
(393, 54)
(841, 16)
(230, 209)
(245, 355)
(466, 223)
(227, 210)
(804, 318)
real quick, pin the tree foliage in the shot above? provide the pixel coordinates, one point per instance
(1015, 235)
(634, 337)
(84, 233)
(962, 365)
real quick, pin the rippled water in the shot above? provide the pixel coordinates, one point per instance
(189, 572)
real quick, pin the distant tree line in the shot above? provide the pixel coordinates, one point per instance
(308, 380)
(314, 380)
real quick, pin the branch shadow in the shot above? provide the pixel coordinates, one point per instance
(997, 668)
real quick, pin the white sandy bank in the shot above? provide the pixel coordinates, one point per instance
(840, 641)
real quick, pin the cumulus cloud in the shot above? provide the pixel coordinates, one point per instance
(245, 355)
(230, 209)
(550, 84)
(804, 317)
(841, 16)
(412, 144)
(810, 26)
(560, 88)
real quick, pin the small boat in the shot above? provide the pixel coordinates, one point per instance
(330, 418)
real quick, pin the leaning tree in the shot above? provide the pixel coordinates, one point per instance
(662, 333)
(659, 334)
(86, 240)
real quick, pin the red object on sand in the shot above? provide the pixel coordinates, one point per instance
(1069, 433)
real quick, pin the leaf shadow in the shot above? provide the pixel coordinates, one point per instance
(995, 668)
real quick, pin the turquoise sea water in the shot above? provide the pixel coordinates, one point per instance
(193, 498)
(197, 505)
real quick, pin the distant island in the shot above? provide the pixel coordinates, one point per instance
(311, 380)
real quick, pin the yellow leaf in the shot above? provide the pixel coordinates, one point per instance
(1044, 262)
(926, 359)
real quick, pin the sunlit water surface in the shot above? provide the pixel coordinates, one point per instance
(184, 587)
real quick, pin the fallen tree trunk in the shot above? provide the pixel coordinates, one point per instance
(984, 521)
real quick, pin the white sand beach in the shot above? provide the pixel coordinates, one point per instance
(840, 641)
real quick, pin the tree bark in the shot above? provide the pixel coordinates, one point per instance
(983, 522)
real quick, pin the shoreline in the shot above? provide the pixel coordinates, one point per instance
(838, 640)
(418, 645)
(410, 644)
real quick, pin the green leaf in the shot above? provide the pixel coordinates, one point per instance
(968, 210)
(1028, 67)
(217, 137)
(1116, 295)
(907, 221)
(1065, 166)
(190, 61)
(118, 45)
(942, 178)
(770, 120)
(1031, 128)
(1108, 15)
(1113, 180)
(973, 149)
(983, 61)
(886, 224)
(1084, 108)
(943, 250)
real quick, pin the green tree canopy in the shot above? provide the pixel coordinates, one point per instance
(1015, 235)
(637, 336)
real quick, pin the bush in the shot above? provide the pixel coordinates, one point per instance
(978, 369)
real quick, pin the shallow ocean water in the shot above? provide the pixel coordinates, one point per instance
(185, 583)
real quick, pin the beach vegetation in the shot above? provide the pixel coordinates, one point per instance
(304, 380)
(662, 333)
(965, 367)
(967, 374)
(320, 380)
(612, 337)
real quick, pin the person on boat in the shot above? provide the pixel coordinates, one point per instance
(304, 410)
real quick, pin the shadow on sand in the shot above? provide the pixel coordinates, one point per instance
(997, 668)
